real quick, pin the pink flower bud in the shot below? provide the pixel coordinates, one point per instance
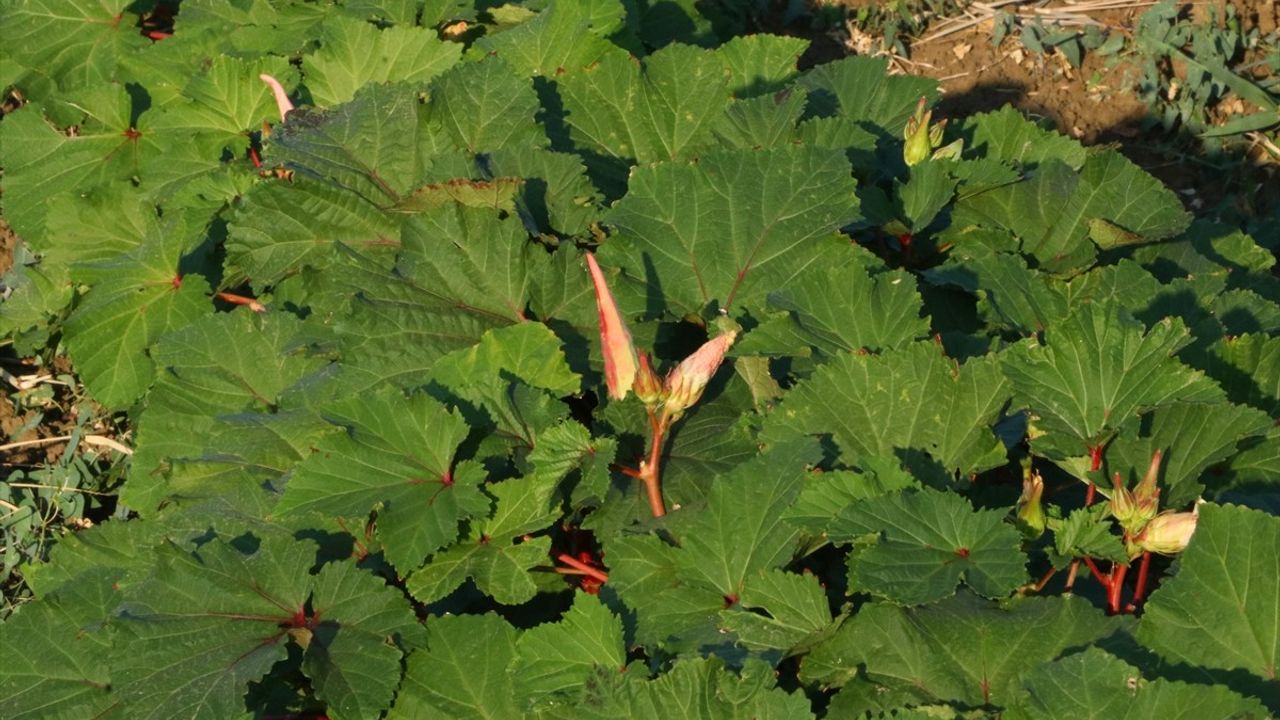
(687, 380)
(620, 363)
(283, 104)
(1169, 533)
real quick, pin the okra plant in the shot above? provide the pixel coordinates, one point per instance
(952, 421)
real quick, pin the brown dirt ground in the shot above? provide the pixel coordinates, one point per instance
(1094, 103)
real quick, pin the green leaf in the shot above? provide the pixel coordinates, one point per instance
(1095, 371)
(486, 105)
(473, 259)
(135, 298)
(744, 222)
(74, 42)
(206, 624)
(1248, 368)
(760, 64)
(280, 230)
(226, 102)
(1052, 212)
(1088, 532)
(1221, 608)
(860, 89)
(913, 398)
(369, 146)
(41, 161)
(1192, 437)
(1093, 684)
(220, 364)
(840, 309)
(56, 651)
(486, 553)
(352, 657)
(563, 38)
(353, 54)
(529, 352)
(449, 678)
(556, 196)
(827, 494)
(555, 659)
(1010, 295)
(926, 192)
(961, 650)
(1008, 136)
(398, 453)
(926, 542)
(725, 567)
(694, 689)
(660, 109)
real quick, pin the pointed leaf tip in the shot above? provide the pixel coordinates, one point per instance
(620, 364)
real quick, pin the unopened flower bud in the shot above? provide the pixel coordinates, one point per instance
(648, 385)
(1146, 494)
(1168, 533)
(620, 364)
(1030, 513)
(687, 380)
(916, 134)
(1123, 506)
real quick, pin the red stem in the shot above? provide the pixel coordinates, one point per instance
(1071, 576)
(1089, 494)
(234, 299)
(650, 472)
(581, 567)
(1045, 580)
(1117, 584)
(1140, 591)
(1104, 579)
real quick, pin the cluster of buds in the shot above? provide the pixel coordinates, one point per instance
(1146, 529)
(923, 140)
(626, 370)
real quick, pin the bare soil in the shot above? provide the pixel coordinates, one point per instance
(1094, 103)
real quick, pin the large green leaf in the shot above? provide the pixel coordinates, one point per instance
(925, 543)
(1222, 607)
(694, 689)
(135, 298)
(840, 309)
(555, 659)
(661, 109)
(353, 54)
(1094, 372)
(495, 553)
(908, 399)
(732, 227)
(397, 453)
(964, 649)
(449, 678)
(725, 577)
(1192, 438)
(860, 89)
(279, 230)
(206, 624)
(1093, 685)
(56, 651)
(73, 43)
(563, 38)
